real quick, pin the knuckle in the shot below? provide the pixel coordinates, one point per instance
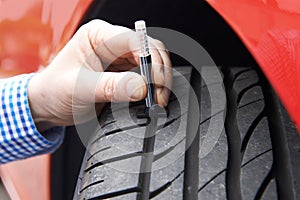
(160, 44)
(94, 24)
(108, 89)
(163, 101)
(83, 31)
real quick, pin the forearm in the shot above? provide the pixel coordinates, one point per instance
(19, 136)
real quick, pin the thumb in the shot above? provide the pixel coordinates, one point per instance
(124, 86)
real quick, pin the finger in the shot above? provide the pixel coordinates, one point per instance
(123, 68)
(164, 54)
(165, 73)
(162, 96)
(166, 66)
(157, 66)
(108, 41)
(162, 93)
(124, 86)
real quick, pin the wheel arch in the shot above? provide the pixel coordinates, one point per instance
(270, 30)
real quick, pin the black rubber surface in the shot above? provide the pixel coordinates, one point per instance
(255, 156)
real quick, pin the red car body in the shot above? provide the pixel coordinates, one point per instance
(270, 29)
(33, 31)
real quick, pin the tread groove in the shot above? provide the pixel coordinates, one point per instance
(118, 158)
(281, 157)
(142, 103)
(250, 132)
(119, 130)
(192, 144)
(147, 158)
(162, 154)
(91, 184)
(106, 124)
(115, 194)
(243, 92)
(264, 184)
(137, 126)
(215, 114)
(164, 187)
(210, 180)
(233, 189)
(255, 157)
(104, 149)
(240, 73)
(224, 170)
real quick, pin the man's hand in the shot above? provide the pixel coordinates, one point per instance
(93, 68)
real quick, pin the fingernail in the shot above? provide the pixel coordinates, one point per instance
(135, 88)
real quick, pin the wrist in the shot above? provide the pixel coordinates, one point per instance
(37, 103)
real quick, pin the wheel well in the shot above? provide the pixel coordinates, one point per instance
(195, 18)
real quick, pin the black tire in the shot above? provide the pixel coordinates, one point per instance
(255, 156)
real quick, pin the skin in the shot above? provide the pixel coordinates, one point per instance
(92, 69)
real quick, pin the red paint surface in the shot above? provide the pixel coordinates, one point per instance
(27, 179)
(31, 33)
(270, 29)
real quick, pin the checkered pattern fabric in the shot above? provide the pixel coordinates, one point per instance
(19, 137)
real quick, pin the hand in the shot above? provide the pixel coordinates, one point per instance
(93, 69)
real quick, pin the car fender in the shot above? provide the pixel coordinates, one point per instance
(270, 29)
(31, 34)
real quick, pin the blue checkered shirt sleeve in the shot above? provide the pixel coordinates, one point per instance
(19, 137)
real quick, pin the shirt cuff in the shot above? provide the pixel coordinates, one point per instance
(19, 137)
